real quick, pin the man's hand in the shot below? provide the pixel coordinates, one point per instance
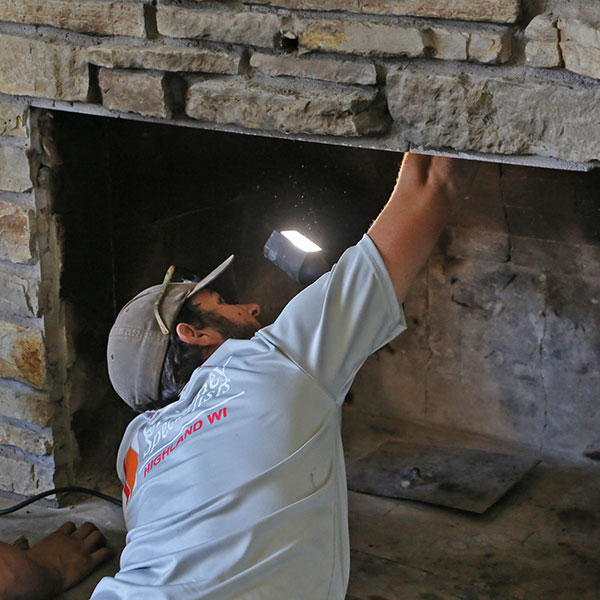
(53, 565)
(428, 191)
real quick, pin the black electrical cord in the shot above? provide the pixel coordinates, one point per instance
(82, 490)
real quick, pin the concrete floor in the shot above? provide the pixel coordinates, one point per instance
(542, 540)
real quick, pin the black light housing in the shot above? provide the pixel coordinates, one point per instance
(304, 263)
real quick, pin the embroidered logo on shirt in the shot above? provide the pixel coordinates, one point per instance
(130, 465)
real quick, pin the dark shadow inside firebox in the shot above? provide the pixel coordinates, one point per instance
(133, 198)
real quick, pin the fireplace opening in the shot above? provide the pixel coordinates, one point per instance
(501, 353)
(133, 198)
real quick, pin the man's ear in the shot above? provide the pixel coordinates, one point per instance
(196, 337)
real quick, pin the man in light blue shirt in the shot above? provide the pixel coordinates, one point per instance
(233, 474)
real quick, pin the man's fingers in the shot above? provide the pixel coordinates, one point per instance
(67, 528)
(101, 556)
(84, 530)
(94, 541)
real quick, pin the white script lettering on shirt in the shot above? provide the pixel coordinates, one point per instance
(165, 419)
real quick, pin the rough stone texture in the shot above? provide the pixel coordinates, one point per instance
(164, 58)
(581, 59)
(483, 46)
(14, 169)
(289, 106)
(13, 117)
(19, 402)
(488, 47)
(35, 440)
(15, 237)
(488, 113)
(43, 69)
(496, 11)
(325, 69)
(254, 29)
(22, 354)
(449, 44)
(543, 54)
(542, 42)
(18, 295)
(360, 38)
(20, 473)
(138, 92)
(99, 16)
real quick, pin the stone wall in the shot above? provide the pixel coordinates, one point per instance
(496, 76)
(503, 335)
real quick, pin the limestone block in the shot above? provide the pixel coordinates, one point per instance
(448, 44)
(489, 47)
(32, 67)
(18, 295)
(543, 54)
(164, 58)
(23, 474)
(15, 234)
(100, 16)
(35, 440)
(325, 69)
(22, 354)
(542, 28)
(288, 106)
(13, 117)
(14, 169)
(360, 38)
(133, 91)
(437, 107)
(581, 59)
(19, 402)
(254, 29)
(580, 22)
(542, 49)
(495, 11)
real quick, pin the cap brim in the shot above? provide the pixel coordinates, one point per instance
(211, 276)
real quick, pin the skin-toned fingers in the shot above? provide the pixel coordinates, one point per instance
(94, 541)
(101, 556)
(84, 530)
(67, 528)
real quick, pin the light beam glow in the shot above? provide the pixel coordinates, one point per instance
(301, 241)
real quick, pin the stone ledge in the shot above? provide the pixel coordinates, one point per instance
(22, 354)
(324, 109)
(324, 69)
(14, 169)
(15, 233)
(165, 58)
(494, 11)
(228, 26)
(485, 112)
(136, 91)
(33, 440)
(360, 38)
(42, 68)
(23, 473)
(19, 296)
(22, 403)
(13, 117)
(100, 16)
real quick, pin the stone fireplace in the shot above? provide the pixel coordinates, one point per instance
(113, 112)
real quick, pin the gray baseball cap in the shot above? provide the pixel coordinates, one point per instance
(139, 338)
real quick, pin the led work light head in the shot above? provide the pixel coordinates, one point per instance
(298, 256)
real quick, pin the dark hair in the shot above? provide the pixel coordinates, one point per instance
(182, 359)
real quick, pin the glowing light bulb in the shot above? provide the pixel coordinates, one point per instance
(301, 241)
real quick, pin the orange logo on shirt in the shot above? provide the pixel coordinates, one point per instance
(130, 465)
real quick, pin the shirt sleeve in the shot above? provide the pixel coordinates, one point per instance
(331, 327)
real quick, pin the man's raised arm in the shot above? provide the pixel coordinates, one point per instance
(428, 191)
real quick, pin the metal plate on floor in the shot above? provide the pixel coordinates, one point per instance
(463, 478)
